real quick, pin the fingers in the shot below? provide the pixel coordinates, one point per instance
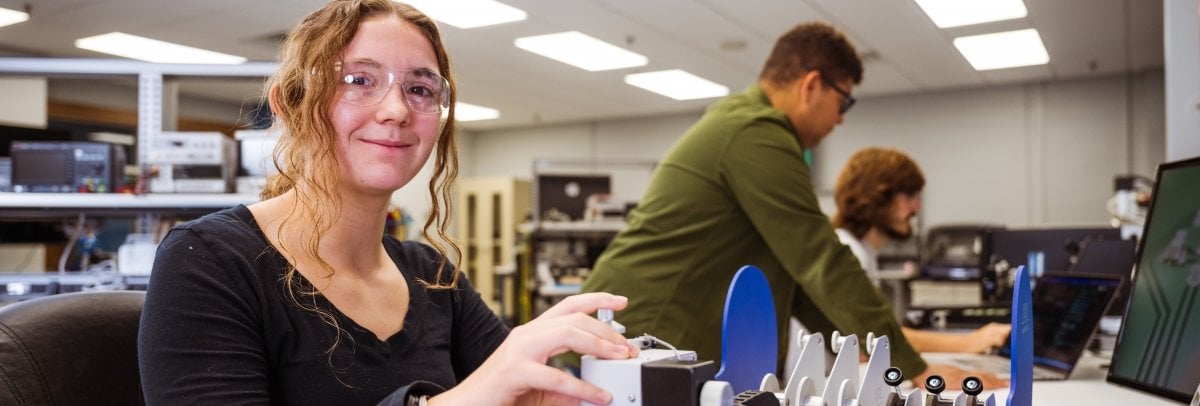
(578, 333)
(992, 335)
(576, 311)
(523, 384)
(587, 303)
(553, 380)
(953, 376)
(992, 381)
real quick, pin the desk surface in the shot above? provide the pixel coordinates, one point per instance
(1087, 386)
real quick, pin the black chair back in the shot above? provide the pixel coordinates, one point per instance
(71, 349)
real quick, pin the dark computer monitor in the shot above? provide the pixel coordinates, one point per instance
(1006, 249)
(1158, 348)
(1059, 246)
(568, 194)
(1109, 257)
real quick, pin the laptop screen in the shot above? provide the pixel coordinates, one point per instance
(1113, 257)
(1066, 311)
(1158, 350)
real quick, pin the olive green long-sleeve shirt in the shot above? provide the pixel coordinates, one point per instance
(734, 191)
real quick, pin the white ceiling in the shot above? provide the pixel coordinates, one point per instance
(722, 40)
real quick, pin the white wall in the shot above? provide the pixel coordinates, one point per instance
(1021, 155)
(1181, 55)
(622, 147)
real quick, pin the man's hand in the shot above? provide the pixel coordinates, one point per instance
(986, 338)
(954, 376)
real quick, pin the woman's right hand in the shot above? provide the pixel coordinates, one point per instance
(517, 370)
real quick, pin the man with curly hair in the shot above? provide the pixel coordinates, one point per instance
(878, 193)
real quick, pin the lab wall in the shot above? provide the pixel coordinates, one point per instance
(1040, 154)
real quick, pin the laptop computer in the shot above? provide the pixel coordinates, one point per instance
(1067, 309)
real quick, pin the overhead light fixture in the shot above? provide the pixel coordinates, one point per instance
(677, 84)
(580, 50)
(152, 50)
(956, 13)
(1001, 50)
(10, 17)
(468, 13)
(471, 112)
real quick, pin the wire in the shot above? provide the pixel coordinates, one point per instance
(62, 259)
(107, 276)
(648, 341)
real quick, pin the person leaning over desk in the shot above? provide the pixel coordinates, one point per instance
(877, 194)
(300, 298)
(735, 190)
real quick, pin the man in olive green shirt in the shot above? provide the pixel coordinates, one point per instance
(735, 190)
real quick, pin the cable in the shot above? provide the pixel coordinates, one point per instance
(107, 276)
(62, 259)
(648, 341)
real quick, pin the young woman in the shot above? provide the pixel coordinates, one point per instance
(300, 299)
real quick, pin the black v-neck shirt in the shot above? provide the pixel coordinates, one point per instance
(219, 327)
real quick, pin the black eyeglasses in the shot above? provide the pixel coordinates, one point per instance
(847, 100)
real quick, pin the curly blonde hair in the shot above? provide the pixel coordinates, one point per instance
(301, 94)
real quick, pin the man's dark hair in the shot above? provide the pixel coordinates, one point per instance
(867, 185)
(812, 46)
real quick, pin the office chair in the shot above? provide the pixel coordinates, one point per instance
(71, 349)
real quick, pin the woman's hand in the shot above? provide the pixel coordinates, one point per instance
(517, 371)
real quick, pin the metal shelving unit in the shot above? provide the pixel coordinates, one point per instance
(151, 108)
(40, 205)
(153, 105)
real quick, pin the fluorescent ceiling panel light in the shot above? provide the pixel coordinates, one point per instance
(580, 50)
(1003, 49)
(10, 17)
(468, 13)
(956, 13)
(471, 112)
(147, 49)
(677, 84)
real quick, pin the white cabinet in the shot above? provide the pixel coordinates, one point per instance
(488, 211)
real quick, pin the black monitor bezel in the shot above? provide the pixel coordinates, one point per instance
(1137, 261)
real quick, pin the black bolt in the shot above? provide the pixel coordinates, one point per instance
(893, 376)
(935, 384)
(972, 386)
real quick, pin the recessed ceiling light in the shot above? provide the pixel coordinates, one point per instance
(10, 17)
(468, 13)
(955, 13)
(471, 112)
(1003, 49)
(677, 84)
(580, 50)
(152, 50)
